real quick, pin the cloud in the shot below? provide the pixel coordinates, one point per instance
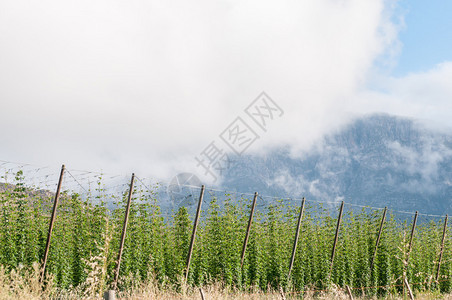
(421, 162)
(324, 188)
(145, 86)
(425, 96)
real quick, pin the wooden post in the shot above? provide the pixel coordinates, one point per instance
(281, 292)
(110, 295)
(193, 235)
(202, 294)
(349, 292)
(411, 238)
(336, 236)
(297, 233)
(52, 221)
(245, 242)
(124, 230)
(378, 239)
(410, 293)
(442, 248)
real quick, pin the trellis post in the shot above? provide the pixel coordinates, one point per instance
(124, 230)
(193, 235)
(411, 237)
(442, 248)
(336, 237)
(52, 221)
(297, 233)
(378, 239)
(250, 221)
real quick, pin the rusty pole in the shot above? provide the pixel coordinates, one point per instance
(410, 292)
(411, 237)
(245, 242)
(297, 233)
(124, 230)
(442, 248)
(52, 221)
(378, 238)
(336, 237)
(193, 235)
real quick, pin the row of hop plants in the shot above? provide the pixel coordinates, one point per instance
(87, 232)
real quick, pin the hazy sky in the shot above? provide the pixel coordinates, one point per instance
(146, 86)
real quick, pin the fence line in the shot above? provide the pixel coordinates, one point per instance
(111, 176)
(198, 212)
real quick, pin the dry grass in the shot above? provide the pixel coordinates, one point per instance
(24, 284)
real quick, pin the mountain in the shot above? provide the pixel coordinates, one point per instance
(377, 160)
(28, 192)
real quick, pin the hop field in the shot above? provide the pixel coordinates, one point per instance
(87, 231)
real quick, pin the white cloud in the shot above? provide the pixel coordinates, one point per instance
(145, 86)
(425, 96)
(423, 163)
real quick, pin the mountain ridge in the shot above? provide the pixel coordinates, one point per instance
(377, 160)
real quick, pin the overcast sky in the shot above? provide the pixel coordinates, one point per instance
(146, 86)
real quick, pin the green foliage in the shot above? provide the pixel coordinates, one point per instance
(86, 240)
